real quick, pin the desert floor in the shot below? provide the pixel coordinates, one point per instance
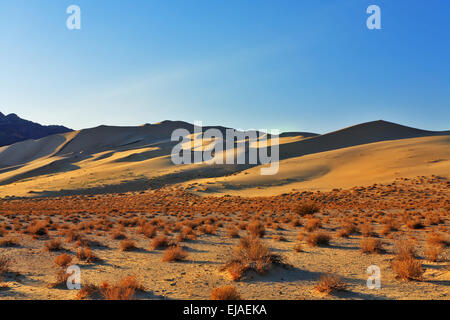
(209, 228)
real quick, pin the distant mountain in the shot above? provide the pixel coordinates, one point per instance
(14, 129)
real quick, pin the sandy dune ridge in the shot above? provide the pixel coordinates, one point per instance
(119, 159)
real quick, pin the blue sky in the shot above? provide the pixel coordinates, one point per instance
(292, 65)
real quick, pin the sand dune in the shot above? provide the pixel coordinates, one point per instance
(109, 158)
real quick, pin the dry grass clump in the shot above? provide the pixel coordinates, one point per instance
(414, 224)
(117, 235)
(61, 279)
(318, 239)
(405, 265)
(366, 230)
(88, 290)
(147, 230)
(125, 289)
(38, 229)
(233, 233)
(53, 245)
(5, 262)
(434, 252)
(225, 293)
(371, 245)
(174, 253)
(312, 224)
(87, 255)
(256, 229)
(63, 260)
(127, 245)
(307, 208)
(160, 242)
(330, 283)
(9, 242)
(298, 247)
(251, 255)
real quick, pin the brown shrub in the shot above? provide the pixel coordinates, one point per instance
(127, 245)
(174, 253)
(225, 293)
(53, 245)
(87, 255)
(5, 262)
(330, 283)
(38, 229)
(256, 229)
(160, 242)
(63, 260)
(434, 252)
(251, 254)
(307, 208)
(148, 230)
(407, 268)
(312, 224)
(9, 242)
(125, 289)
(371, 245)
(298, 247)
(318, 239)
(233, 233)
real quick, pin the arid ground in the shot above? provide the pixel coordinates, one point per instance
(285, 243)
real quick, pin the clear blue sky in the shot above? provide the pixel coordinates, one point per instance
(292, 65)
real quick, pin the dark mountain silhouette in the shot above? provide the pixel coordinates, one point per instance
(14, 129)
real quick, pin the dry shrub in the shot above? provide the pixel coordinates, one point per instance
(225, 293)
(160, 242)
(371, 245)
(366, 230)
(53, 245)
(125, 289)
(87, 255)
(312, 224)
(330, 283)
(318, 239)
(72, 236)
(342, 233)
(5, 262)
(405, 265)
(117, 235)
(148, 230)
(233, 233)
(38, 229)
(127, 245)
(256, 229)
(63, 260)
(307, 208)
(415, 224)
(437, 239)
(251, 254)
(434, 252)
(9, 242)
(61, 279)
(298, 247)
(174, 253)
(87, 291)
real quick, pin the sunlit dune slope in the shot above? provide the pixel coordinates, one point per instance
(119, 159)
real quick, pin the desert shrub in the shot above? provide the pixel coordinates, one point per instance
(148, 230)
(117, 235)
(61, 279)
(160, 242)
(434, 252)
(86, 254)
(174, 253)
(4, 264)
(312, 224)
(405, 264)
(63, 260)
(9, 242)
(414, 224)
(87, 291)
(366, 230)
(127, 245)
(233, 233)
(371, 245)
(53, 245)
(38, 229)
(330, 283)
(318, 239)
(251, 254)
(225, 293)
(307, 208)
(437, 239)
(256, 229)
(125, 289)
(298, 247)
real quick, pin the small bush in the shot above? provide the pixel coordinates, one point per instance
(4, 264)
(225, 293)
(160, 242)
(371, 245)
(174, 253)
(307, 208)
(63, 260)
(408, 269)
(86, 254)
(318, 239)
(312, 224)
(127, 245)
(53, 245)
(256, 229)
(330, 283)
(9, 242)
